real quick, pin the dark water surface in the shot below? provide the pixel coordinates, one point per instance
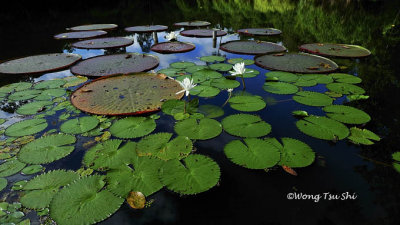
(248, 196)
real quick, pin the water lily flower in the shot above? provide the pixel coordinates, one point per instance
(187, 84)
(171, 36)
(238, 69)
(229, 90)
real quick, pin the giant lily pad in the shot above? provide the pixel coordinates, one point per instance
(196, 174)
(39, 63)
(173, 47)
(192, 24)
(251, 47)
(26, 127)
(80, 34)
(146, 28)
(11, 167)
(79, 125)
(336, 50)
(132, 127)
(202, 129)
(115, 64)
(259, 31)
(244, 125)
(125, 94)
(101, 43)
(247, 103)
(312, 98)
(323, 128)
(47, 149)
(281, 88)
(202, 33)
(296, 63)
(93, 27)
(253, 153)
(85, 201)
(346, 89)
(346, 114)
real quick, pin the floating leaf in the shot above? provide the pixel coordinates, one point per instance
(80, 34)
(11, 167)
(333, 94)
(247, 103)
(195, 23)
(192, 69)
(337, 50)
(198, 129)
(47, 149)
(223, 83)
(103, 43)
(172, 47)
(84, 202)
(346, 89)
(136, 200)
(146, 28)
(46, 84)
(24, 95)
(312, 98)
(300, 113)
(93, 27)
(323, 128)
(212, 58)
(253, 153)
(221, 67)
(196, 174)
(211, 111)
(32, 169)
(244, 125)
(33, 107)
(3, 183)
(251, 47)
(206, 74)
(318, 78)
(79, 125)
(26, 127)
(345, 78)
(346, 114)
(356, 97)
(283, 76)
(396, 164)
(202, 33)
(281, 88)
(74, 81)
(20, 86)
(132, 127)
(246, 62)
(362, 136)
(251, 73)
(49, 94)
(259, 31)
(204, 91)
(173, 106)
(171, 72)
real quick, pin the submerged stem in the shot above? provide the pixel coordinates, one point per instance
(244, 85)
(229, 97)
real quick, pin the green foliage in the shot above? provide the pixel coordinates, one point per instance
(244, 125)
(47, 84)
(281, 88)
(223, 83)
(132, 127)
(32, 169)
(282, 76)
(11, 167)
(304, 81)
(211, 111)
(171, 72)
(356, 97)
(396, 164)
(247, 62)
(318, 78)
(345, 78)
(24, 95)
(33, 107)
(346, 89)
(249, 73)
(182, 65)
(221, 67)
(204, 91)
(346, 114)
(192, 69)
(79, 125)
(312, 98)
(212, 58)
(300, 113)
(202, 129)
(205, 74)
(26, 127)
(15, 87)
(74, 81)
(247, 103)
(3, 183)
(323, 128)
(362, 136)
(49, 94)
(174, 106)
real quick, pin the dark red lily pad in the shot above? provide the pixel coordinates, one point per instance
(80, 34)
(259, 31)
(115, 64)
(336, 50)
(192, 24)
(296, 63)
(202, 33)
(173, 47)
(39, 63)
(146, 28)
(126, 94)
(100, 43)
(251, 47)
(93, 27)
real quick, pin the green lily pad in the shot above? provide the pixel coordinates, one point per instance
(300, 113)
(11, 167)
(202, 33)
(223, 83)
(24, 95)
(246, 62)
(244, 125)
(356, 97)
(345, 78)
(250, 73)
(173, 106)
(221, 67)
(281, 88)
(362, 136)
(47, 149)
(211, 111)
(84, 202)
(198, 129)
(193, 69)
(322, 128)
(312, 98)
(103, 43)
(346, 89)
(49, 94)
(196, 174)
(79, 125)
(161, 146)
(32, 169)
(33, 107)
(49, 84)
(283, 76)
(20, 86)
(72, 81)
(247, 103)
(171, 72)
(93, 27)
(305, 81)
(212, 58)
(3, 183)
(26, 127)
(132, 127)
(396, 164)
(346, 114)
(204, 91)
(251, 47)
(319, 78)
(80, 34)
(337, 50)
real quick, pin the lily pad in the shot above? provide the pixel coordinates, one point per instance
(3, 183)
(318, 78)
(171, 72)
(283, 76)
(195, 68)
(49, 94)
(323, 128)
(20, 86)
(212, 58)
(251, 47)
(345, 78)
(202, 33)
(80, 34)
(49, 84)
(336, 50)
(85, 201)
(39, 63)
(202, 129)
(132, 127)
(126, 94)
(223, 83)
(346, 114)
(247, 103)
(346, 89)
(32, 169)
(26, 127)
(196, 174)
(173, 47)
(47, 149)
(252, 153)
(204, 91)
(221, 67)
(146, 28)
(312, 98)
(79, 125)
(206, 74)
(305, 81)
(93, 27)
(362, 136)
(246, 62)
(259, 31)
(182, 65)
(24, 95)
(103, 43)
(281, 88)
(211, 111)
(296, 63)
(74, 81)
(115, 64)
(244, 125)
(173, 106)
(33, 107)
(195, 23)
(251, 73)
(11, 167)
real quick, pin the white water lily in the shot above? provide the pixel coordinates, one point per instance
(238, 69)
(171, 36)
(187, 84)
(229, 90)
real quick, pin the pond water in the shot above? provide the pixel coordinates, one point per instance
(246, 196)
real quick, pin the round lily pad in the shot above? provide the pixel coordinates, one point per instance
(20, 86)
(249, 73)
(204, 91)
(251, 47)
(322, 128)
(304, 81)
(202, 129)
(244, 125)
(125, 94)
(223, 83)
(318, 78)
(221, 67)
(115, 64)
(346, 89)
(247, 103)
(39, 63)
(282, 76)
(23, 95)
(102, 43)
(212, 58)
(146, 28)
(296, 63)
(49, 84)
(280, 88)
(336, 50)
(49, 94)
(11, 167)
(192, 24)
(259, 31)
(26, 127)
(346, 114)
(79, 125)
(32, 169)
(345, 78)
(93, 27)
(33, 107)
(171, 72)
(246, 62)
(3, 183)
(80, 34)
(252, 153)
(312, 98)
(362, 136)
(202, 33)
(211, 111)
(132, 127)
(173, 47)
(182, 65)
(195, 68)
